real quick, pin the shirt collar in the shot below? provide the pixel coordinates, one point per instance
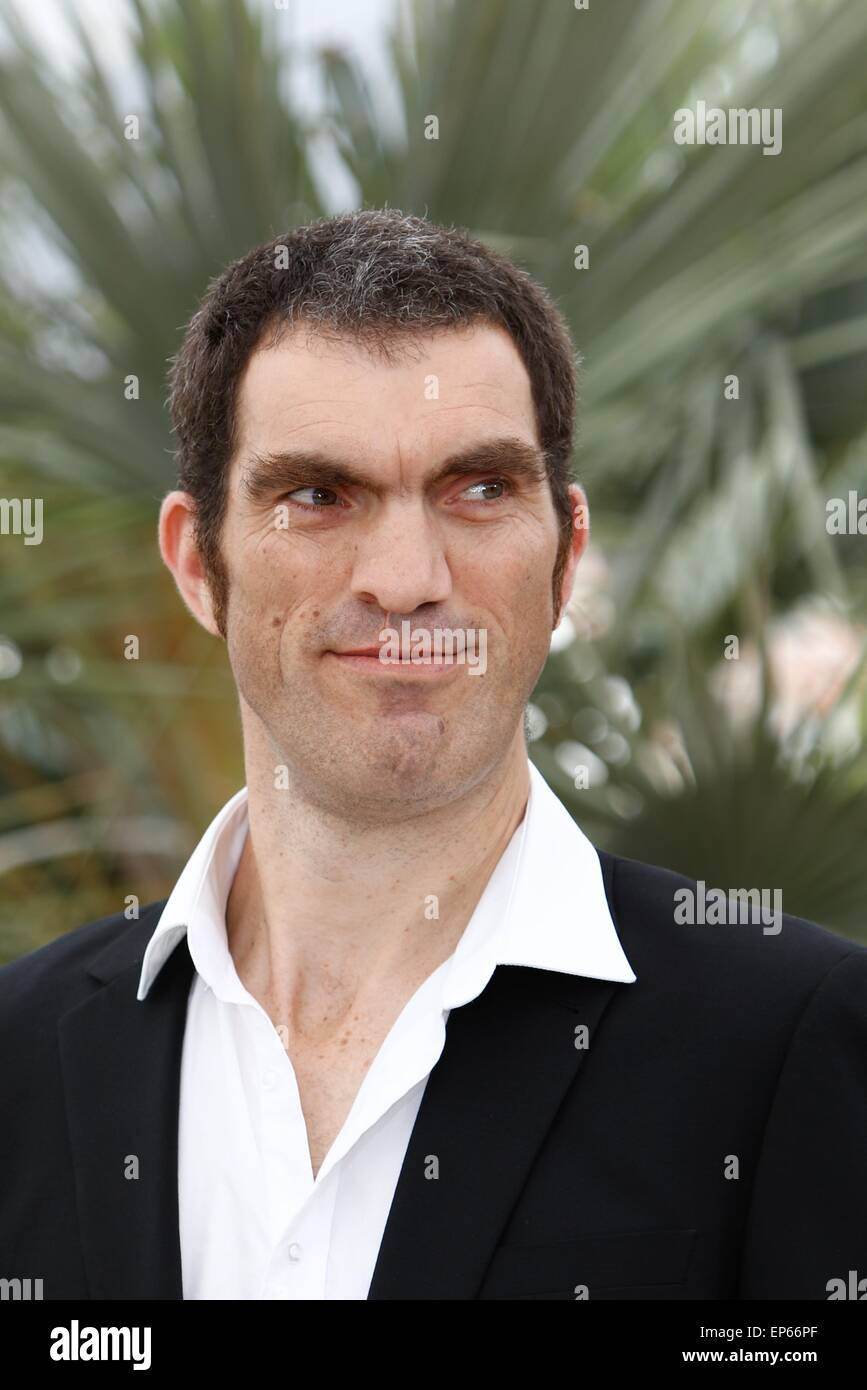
(544, 906)
(197, 904)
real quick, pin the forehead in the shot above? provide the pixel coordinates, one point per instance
(437, 391)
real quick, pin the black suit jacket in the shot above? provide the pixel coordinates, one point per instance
(559, 1168)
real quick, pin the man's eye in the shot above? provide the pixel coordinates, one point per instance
(323, 496)
(489, 482)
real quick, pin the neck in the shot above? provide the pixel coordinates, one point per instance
(330, 916)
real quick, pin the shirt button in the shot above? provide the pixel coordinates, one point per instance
(294, 1251)
(269, 1078)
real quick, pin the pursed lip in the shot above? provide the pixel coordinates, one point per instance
(368, 659)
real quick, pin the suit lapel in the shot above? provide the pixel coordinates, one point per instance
(508, 1061)
(121, 1060)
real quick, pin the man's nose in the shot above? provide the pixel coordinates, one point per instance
(400, 561)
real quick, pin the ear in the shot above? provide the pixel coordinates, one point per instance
(181, 556)
(580, 537)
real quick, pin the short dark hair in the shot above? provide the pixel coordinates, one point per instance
(379, 276)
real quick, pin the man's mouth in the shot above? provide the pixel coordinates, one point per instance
(368, 660)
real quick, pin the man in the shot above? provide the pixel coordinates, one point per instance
(400, 1031)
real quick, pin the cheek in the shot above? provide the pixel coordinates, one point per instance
(283, 607)
(272, 581)
(514, 587)
(264, 612)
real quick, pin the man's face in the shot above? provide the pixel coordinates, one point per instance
(319, 563)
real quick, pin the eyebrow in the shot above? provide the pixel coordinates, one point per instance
(265, 474)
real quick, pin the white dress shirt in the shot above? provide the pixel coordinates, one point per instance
(254, 1223)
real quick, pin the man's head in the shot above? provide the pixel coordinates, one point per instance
(346, 400)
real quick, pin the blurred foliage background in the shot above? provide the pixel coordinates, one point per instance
(708, 513)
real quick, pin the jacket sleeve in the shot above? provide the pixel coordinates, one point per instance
(807, 1220)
